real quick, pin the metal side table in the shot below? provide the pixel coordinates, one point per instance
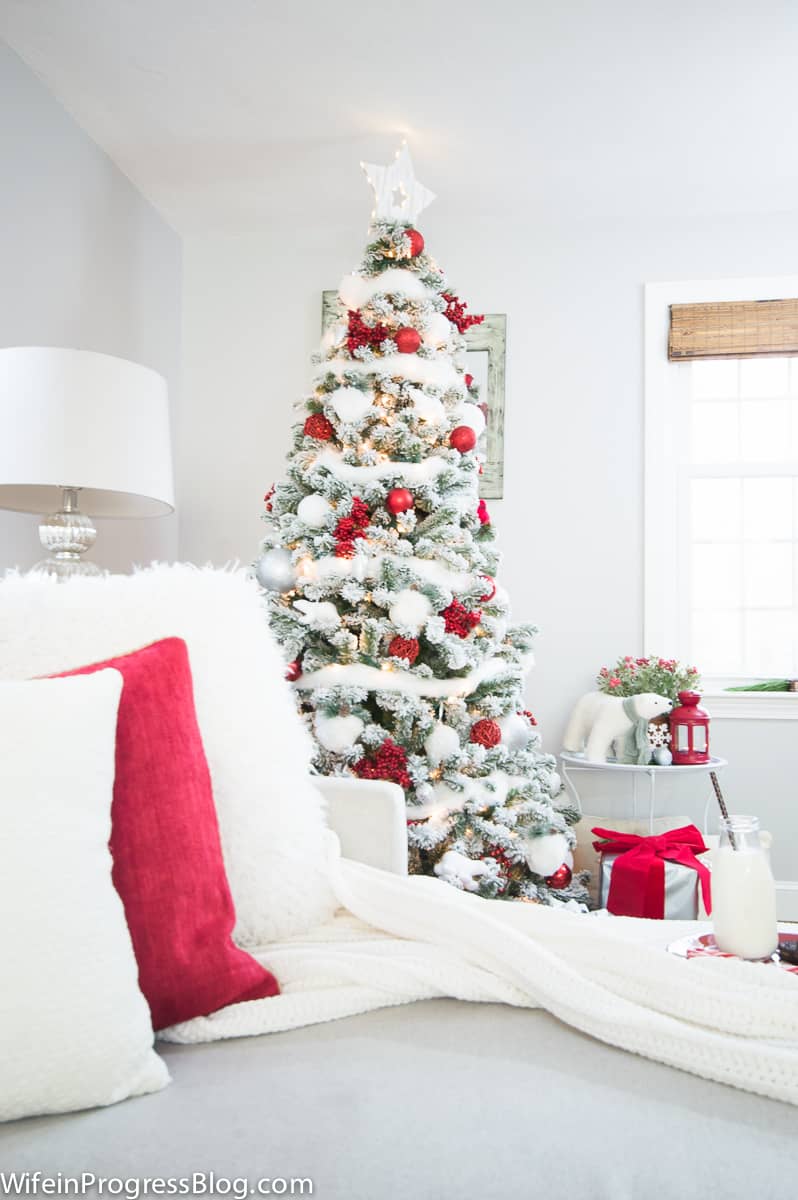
(574, 765)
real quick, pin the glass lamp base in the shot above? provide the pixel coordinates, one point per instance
(67, 534)
(67, 568)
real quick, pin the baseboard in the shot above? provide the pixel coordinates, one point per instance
(787, 900)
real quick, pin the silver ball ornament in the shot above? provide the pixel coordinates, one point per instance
(275, 571)
(662, 756)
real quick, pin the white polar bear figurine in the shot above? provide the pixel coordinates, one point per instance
(600, 720)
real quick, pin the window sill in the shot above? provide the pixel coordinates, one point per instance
(751, 706)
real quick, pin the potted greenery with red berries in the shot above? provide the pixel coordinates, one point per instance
(664, 676)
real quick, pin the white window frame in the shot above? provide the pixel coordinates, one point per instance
(665, 509)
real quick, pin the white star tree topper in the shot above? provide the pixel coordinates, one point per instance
(398, 195)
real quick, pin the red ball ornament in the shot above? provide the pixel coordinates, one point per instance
(485, 733)
(469, 379)
(561, 878)
(416, 242)
(482, 513)
(317, 426)
(407, 339)
(491, 592)
(404, 648)
(293, 671)
(399, 500)
(463, 439)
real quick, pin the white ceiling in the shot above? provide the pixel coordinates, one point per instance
(234, 114)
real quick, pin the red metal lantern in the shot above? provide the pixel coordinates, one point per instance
(689, 731)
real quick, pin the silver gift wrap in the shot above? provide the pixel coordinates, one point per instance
(682, 889)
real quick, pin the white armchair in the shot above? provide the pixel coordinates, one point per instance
(369, 818)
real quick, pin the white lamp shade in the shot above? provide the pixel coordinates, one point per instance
(74, 418)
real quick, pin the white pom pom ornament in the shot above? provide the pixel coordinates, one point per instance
(441, 743)
(546, 853)
(314, 511)
(516, 731)
(350, 403)
(337, 734)
(472, 416)
(437, 330)
(410, 610)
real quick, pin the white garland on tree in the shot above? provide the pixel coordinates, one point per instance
(412, 472)
(356, 291)
(438, 371)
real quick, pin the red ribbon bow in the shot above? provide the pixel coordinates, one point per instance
(637, 882)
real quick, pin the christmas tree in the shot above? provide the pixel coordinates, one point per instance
(380, 571)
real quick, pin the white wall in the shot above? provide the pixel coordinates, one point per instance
(86, 262)
(571, 523)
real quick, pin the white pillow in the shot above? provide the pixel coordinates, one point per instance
(74, 1028)
(271, 818)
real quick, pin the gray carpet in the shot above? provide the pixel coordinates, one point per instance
(430, 1101)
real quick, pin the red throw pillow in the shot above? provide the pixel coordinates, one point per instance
(168, 865)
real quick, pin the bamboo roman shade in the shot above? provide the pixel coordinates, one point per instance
(744, 329)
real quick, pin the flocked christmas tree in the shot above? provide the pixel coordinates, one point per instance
(380, 570)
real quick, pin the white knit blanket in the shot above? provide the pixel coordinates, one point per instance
(403, 939)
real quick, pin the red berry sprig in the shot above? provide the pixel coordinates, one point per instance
(456, 312)
(390, 762)
(360, 334)
(349, 529)
(267, 499)
(458, 619)
(500, 856)
(359, 512)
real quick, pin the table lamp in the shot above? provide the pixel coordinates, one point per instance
(83, 431)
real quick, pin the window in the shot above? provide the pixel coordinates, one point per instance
(722, 500)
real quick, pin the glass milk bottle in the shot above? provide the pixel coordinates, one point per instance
(743, 891)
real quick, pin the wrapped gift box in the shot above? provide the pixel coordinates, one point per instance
(588, 859)
(665, 875)
(683, 900)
